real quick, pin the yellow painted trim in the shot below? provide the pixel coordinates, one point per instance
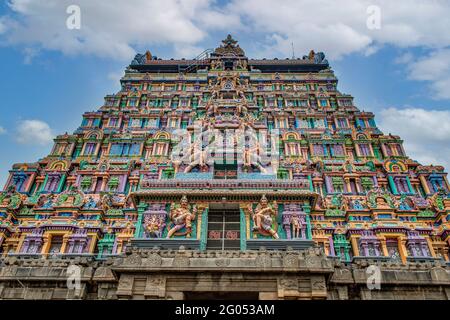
(354, 241)
(430, 247)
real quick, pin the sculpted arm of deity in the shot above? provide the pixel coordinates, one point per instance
(194, 149)
(249, 153)
(211, 108)
(198, 155)
(241, 108)
(214, 94)
(247, 157)
(255, 217)
(208, 107)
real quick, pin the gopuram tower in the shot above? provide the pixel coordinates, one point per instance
(224, 176)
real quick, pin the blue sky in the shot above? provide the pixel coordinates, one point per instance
(51, 75)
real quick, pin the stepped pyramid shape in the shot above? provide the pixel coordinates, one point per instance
(223, 152)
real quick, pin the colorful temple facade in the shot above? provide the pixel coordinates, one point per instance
(228, 133)
(224, 152)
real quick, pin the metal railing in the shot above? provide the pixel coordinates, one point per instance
(197, 61)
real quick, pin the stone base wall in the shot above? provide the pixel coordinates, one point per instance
(180, 274)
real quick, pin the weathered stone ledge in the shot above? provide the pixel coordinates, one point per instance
(159, 274)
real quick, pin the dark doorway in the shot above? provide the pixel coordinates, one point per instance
(221, 295)
(229, 65)
(225, 171)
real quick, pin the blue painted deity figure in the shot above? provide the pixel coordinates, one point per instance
(357, 205)
(90, 204)
(49, 202)
(404, 206)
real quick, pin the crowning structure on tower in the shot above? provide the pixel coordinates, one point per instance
(231, 159)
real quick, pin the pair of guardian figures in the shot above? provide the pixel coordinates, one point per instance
(181, 218)
(252, 155)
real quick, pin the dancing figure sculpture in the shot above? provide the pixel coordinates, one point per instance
(263, 217)
(181, 217)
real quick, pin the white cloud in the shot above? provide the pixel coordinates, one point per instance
(339, 27)
(188, 51)
(2, 130)
(115, 76)
(426, 133)
(29, 54)
(434, 68)
(114, 28)
(2, 26)
(34, 132)
(405, 58)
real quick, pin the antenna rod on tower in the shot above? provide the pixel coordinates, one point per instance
(293, 52)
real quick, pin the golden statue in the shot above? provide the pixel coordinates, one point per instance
(181, 217)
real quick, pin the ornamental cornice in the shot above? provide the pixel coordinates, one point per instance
(217, 195)
(310, 260)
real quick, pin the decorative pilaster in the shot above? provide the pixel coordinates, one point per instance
(424, 184)
(392, 185)
(311, 187)
(243, 230)
(411, 190)
(44, 183)
(402, 248)
(204, 230)
(138, 227)
(355, 247)
(61, 183)
(307, 210)
(384, 247)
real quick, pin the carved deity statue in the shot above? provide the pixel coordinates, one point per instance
(211, 108)
(154, 225)
(91, 203)
(198, 156)
(247, 155)
(182, 217)
(241, 109)
(251, 156)
(11, 198)
(241, 64)
(263, 217)
(48, 201)
(216, 65)
(6, 201)
(296, 226)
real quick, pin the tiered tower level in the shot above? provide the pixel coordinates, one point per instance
(225, 152)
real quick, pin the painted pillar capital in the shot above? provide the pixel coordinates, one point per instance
(142, 206)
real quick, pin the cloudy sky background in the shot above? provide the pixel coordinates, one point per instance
(51, 74)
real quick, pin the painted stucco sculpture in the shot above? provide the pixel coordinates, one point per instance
(272, 143)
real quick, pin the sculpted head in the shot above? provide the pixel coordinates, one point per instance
(184, 202)
(264, 201)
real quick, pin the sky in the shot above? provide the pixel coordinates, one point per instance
(59, 58)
